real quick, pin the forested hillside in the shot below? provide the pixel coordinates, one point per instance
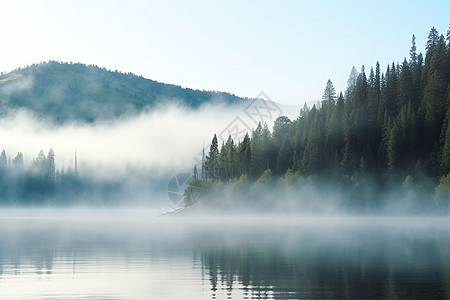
(393, 126)
(77, 92)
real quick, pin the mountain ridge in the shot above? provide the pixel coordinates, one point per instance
(65, 92)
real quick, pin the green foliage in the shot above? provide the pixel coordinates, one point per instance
(195, 173)
(38, 182)
(408, 182)
(66, 92)
(443, 190)
(289, 177)
(212, 163)
(193, 191)
(381, 129)
(265, 178)
(445, 154)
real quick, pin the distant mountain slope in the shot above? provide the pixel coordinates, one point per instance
(65, 92)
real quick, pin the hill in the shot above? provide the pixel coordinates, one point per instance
(76, 92)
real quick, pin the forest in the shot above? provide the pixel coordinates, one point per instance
(74, 92)
(38, 182)
(389, 128)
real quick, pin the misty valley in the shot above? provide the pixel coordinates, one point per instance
(114, 186)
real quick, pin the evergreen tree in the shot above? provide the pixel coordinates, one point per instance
(245, 155)
(412, 52)
(438, 60)
(195, 173)
(356, 135)
(18, 160)
(268, 148)
(223, 164)
(3, 159)
(203, 163)
(448, 36)
(435, 106)
(329, 94)
(256, 146)
(212, 160)
(405, 85)
(373, 99)
(40, 163)
(51, 165)
(351, 83)
(433, 38)
(338, 129)
(231, 158)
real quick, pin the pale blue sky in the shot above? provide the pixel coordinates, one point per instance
(288, 49)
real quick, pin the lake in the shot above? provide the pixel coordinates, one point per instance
(87, 254)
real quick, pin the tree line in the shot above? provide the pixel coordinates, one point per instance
(392, 126)
(36, 182)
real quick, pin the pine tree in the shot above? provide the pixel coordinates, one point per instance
(195, 173)
(433, 38)
(329, 94)
(51, 165)
(231, 158)
(256, 146)
(203, 163)
(351, 83)
(405, 85)
(3, 159)
(245, 155)
(389, 96)
(40, 162)
(338, 129)
(448, 36)
(268, 148)
(356, 135)
(373, 99)
(416, 75)
(439, 59)
(412, 52)
(18, 160)
(212, 160)
(223, 168)
(329, 97)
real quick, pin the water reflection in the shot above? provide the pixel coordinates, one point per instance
(115, 256)
(344, 259)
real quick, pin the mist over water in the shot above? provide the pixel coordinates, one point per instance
(127, 160)
(164, 138)
(129, 254)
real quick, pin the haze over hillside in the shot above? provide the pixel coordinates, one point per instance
(76, 92)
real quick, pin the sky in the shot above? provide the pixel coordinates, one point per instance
(287, 49)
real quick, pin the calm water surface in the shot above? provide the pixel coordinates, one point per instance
(132, 255)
